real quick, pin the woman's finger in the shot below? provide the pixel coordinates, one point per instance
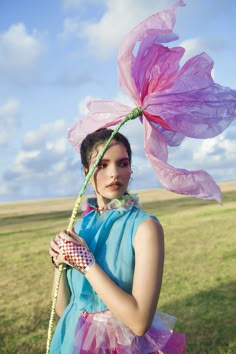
(70, 236)
(57, 258)
(53, 252)
(76, 237)
(54, 245)
(64, 235)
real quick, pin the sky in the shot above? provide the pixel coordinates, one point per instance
(57, 54)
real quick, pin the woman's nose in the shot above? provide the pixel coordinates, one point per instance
(113, 172)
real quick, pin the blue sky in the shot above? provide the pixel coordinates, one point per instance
(56, 54)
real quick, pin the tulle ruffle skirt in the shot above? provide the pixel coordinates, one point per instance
(102, 333)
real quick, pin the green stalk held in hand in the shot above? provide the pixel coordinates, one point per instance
(136, 112)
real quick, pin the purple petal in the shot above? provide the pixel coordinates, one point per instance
(102, 114)
(195, 74)
(172, 138)
(155, 29)
(154, 141)
(194, 183)
(156, 68)
(194, 106)
(203, 113)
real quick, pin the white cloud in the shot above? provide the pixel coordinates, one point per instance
(217, 156)
(217, 152)
(58, 146)
(44, 167)
(36, 139)
(82, 105)
(9, 120)
(20, 53)
(105, 35)
(71, 26)
(194, 46)
(22, 160)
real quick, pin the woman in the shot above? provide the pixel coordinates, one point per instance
(109, 293)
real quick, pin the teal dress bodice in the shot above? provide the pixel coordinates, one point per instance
(110, 237)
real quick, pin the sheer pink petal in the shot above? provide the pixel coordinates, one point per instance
(195, 74)
(195, 183)
(155, 68)
(203, 113)
(194, 106)
(172, 138)
(155, 143)
(102, 114)
(155, 29)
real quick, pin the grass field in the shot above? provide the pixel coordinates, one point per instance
(199, 285)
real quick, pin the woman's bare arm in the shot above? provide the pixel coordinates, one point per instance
(63, 293)
(136, 310)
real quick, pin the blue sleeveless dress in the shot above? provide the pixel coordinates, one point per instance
(87, 326)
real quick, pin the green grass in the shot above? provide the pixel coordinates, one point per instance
(199, 285)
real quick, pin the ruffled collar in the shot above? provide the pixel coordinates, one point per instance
(127, 201)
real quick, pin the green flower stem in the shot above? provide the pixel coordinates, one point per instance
(136, 112)
(53, 309)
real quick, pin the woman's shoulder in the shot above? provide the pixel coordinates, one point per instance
(143, 214)
(150, 230)
(137, 217)
(150, 221)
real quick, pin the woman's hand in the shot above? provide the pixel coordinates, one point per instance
(54, 252)
(69, 248)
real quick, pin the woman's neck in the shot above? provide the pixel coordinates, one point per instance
(102, 201)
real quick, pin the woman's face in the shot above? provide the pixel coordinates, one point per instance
(111, 177)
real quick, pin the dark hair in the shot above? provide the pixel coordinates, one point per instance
(100, 136)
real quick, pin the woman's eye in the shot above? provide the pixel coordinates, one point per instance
(124, 164)
(101, 166)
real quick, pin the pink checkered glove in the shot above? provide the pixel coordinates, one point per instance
(76, 255)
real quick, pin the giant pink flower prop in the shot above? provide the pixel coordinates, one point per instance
(176, 102)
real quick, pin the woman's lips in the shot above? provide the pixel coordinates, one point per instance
(114, 186)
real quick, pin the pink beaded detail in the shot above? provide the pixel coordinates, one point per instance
(77, 255)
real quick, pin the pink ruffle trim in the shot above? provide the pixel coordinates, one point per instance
(102, 333)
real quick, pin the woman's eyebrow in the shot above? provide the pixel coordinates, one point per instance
(121, 159)
(124, 159)
(104, 160)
